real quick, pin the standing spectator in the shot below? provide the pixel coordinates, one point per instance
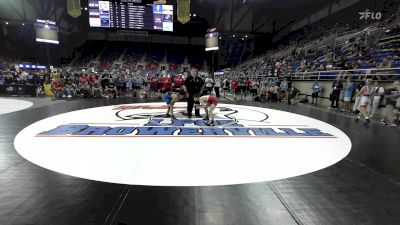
(193, 86)
(217, 86)
(337, 87)
(209, 85)
(235, 87)
(254, 87)
(129, 86)
(248, 86)
(378, 94)
(391, 96)
(348, 94)
(356, 106)
(226, 85)
(154, 86)
(315, 90)
(167, 84)
(2, 78)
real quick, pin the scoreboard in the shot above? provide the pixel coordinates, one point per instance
(124, 14)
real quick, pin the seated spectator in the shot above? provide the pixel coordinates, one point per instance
(385, 65)
(273, 93)
(58, 87)
(96, 90)
(111, 89)
(293, 93)
(263, 92)
(69, 90)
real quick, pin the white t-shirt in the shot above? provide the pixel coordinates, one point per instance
(378, 94)
(217, 83)
(209, 82)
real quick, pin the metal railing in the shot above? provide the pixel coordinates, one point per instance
(381, 73)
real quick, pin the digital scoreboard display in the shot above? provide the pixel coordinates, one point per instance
(212, 41)
(130, 15)
(46, 31)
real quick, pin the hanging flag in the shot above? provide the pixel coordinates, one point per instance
(183, 11)
(74, 8)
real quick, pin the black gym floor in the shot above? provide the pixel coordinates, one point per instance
(363, 188)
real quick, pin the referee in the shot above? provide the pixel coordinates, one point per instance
(193, 85)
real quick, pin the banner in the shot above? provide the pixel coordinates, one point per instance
(183, 11)
(74, 8)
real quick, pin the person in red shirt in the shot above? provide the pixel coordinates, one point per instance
(153, 85)
(167, 84)
(57, 87)
(179, 80)
(234, 86)
(248, 85)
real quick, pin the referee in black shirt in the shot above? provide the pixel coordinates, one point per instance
(193, 85)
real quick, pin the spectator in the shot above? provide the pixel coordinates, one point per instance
(96, 90)
(348, 94)
(217, 86)
(226, 84)
(209, 85)
(2, 78)
(235, 87)
(58, 88)
(356, 106)
(315, 90)
(391, 95)
(254, 87)
(284, 87)
(337, 87)
(293, 93)
(378, 94)
(68, 90)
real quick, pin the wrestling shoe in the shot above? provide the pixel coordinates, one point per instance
(206, 118)
(211, 124)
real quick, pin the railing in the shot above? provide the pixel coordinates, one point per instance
(382, 74)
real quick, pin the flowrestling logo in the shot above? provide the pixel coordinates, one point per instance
(150, 120)
(137, 144)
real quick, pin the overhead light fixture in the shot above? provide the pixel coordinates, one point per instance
(23, 24)
(245, 36)
(220, 38)
(387, 31)
(242, 39)
(233, 35)
(194, 15)
(85, 8)
(6, 23)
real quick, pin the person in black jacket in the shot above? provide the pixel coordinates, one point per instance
(193, 86)
(337, 87)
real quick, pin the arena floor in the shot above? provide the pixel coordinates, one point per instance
(363, 188)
